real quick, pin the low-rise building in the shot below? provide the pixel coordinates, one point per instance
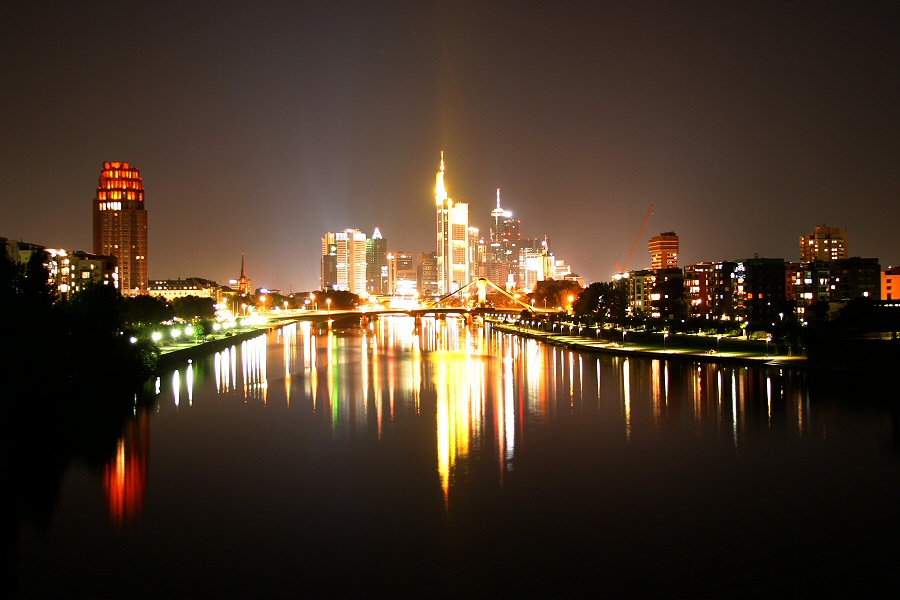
(181, 288)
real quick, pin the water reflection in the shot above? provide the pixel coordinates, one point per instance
(485, 390)
(125, 475)
(465, 452)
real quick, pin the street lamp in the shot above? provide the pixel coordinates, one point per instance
(718, 337)
(623, 336)
(768, 339)
(328, 302)
(665, 337)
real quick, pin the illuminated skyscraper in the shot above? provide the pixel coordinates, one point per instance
(344, 261)
(427, 274)
(452, 237)
(664, 251)
(502, 254)
(120, 224)
(376, 264)
(401, 274)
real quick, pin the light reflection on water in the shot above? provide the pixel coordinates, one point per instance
(534, 457)
(487, 388)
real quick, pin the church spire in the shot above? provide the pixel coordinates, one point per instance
(243, 273)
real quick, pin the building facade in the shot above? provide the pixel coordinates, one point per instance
(427, 275)
(376, 264)
(71, 272)
(402, 275)
(824, 244)
(664, 251)
(170, 289)
(709, 290)
(344, 261)
(890, 284)
(501, 253)
(452, 237)
(120, 224)
(760, 296)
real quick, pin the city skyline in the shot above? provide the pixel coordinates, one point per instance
(261, 126)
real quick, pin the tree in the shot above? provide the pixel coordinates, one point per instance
(146, 309)
(555, 292)
(339, 299)
(601, 300)
(96, 310)
(194, 307)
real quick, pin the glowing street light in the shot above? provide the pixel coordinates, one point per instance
(665, 337)
(328, 302)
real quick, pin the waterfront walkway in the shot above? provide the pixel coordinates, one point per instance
(667, 350)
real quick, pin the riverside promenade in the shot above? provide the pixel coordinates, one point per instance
(173, 352)
(670, 347)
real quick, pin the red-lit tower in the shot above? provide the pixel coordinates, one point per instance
(120, 224)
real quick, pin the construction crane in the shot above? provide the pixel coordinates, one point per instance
(624, 269)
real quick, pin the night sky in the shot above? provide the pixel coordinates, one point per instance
(259, 126)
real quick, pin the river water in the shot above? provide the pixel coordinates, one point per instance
(438, 459)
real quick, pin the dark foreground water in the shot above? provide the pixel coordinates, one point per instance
(453, 461)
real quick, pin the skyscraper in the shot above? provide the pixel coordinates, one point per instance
(427, 274)
(376, 264)
(452, 237)
(344, 261)
(120, 224)
(502, 254)
(824, 244)
(664, 251)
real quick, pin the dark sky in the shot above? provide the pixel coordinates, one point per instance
(259, 126)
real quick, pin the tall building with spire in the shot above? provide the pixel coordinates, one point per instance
(452, 237)
(120, 224)
(245, 288)
(502, 253)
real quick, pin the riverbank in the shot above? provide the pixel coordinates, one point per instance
(670, 349)
(170, 354)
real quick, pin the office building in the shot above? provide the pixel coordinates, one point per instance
(501, 253)
(402, 275)
(120, 224)
(427, 275)
(452, 237)
(376, 264)
(344, 261)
